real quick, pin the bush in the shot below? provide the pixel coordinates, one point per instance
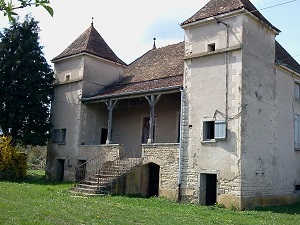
(13, 164)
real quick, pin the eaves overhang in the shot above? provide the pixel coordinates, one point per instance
(229, 15)
(134, 94)
(84, 53)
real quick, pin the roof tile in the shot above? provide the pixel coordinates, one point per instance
(90, 42)
(217, 7)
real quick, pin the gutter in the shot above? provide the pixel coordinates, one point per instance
(132, 94)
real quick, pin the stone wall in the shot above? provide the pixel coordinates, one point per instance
(167, 157)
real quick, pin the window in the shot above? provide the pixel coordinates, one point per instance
(297, 187)
(67, 78)
(214, 130)
(297, 90)
(211, 47)
(59, 136)
(297, 131)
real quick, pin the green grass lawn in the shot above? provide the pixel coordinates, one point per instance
(36, 201)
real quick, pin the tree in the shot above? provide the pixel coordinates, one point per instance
(9, 8)
(25, 85)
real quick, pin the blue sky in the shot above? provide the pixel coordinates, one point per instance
(129, 26)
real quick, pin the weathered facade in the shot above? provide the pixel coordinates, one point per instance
(212, 119)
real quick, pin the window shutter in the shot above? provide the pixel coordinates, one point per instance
(220, 129)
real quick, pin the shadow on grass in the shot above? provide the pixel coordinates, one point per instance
(37, 177)
(286, 209)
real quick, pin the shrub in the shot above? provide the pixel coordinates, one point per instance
(13, 164)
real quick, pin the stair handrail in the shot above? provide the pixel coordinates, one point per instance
(115, 161)
(102, 166)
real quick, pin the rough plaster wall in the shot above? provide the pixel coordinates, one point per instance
(265, 171)
(98, 74)
(198, 38)
(73, 67)
(205, 85)
(94, 118)
(65, 112)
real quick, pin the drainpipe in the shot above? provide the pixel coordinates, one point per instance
(226, 64)
(180, 146)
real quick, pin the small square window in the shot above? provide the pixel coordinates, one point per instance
(68, 77)
(59, 136)
(297, 187)
(214, 130)
(211, 47)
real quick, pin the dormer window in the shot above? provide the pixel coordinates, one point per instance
(211, 47)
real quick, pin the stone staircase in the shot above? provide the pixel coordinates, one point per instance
(102, 182)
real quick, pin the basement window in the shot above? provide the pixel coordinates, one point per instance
(211, 47)
(214, 130)
(59, 136)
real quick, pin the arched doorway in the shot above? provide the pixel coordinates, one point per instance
(153, 180)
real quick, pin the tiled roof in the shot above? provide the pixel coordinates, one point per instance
(285, 59)
(163, 68)
(153, 85)
(157, 63)
(157, 69)
(90, 42)
(217, 7)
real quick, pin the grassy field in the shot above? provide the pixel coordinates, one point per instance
(36, 201)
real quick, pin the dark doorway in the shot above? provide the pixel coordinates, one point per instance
(153, 180)
(211, 189)
(60, 169)
(80, 170)
(104, 132)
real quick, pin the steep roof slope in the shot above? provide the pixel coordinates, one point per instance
(217, 7)
(90, 42)
(157, 69)
(156, 63)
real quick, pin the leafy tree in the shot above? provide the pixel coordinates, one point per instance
(25, 85)
(9, 8)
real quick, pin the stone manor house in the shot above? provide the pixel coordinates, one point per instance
(214, 118)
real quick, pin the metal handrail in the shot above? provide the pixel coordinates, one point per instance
(101, 167)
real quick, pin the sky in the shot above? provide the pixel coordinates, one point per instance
(129, 26)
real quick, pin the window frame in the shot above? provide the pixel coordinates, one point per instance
(59, 136)
(214, 130)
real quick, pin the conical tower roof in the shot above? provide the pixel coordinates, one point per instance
(218, 7)
(90, 42)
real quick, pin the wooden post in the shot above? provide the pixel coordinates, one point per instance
(152, 102)
(111, 104)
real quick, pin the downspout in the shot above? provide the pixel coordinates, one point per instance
(226, 65)
(180, 146)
